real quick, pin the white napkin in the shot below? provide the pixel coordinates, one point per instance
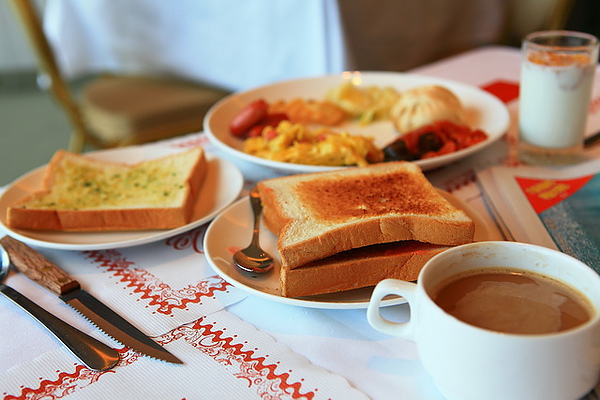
(158, 286)
(224, 357)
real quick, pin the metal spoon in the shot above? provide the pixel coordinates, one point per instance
(253, 258)
(93, 353)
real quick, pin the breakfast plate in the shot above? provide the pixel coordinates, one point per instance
(483, 110)
(222, 186)
(232, 230)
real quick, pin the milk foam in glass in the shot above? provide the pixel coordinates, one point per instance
(557, 77)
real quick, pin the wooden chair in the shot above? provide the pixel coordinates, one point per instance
(112, 110)
(526, 16)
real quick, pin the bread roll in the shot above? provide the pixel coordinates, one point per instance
(425, 105)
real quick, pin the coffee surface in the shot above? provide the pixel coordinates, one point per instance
(507, 301)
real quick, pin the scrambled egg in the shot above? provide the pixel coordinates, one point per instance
(296, 143)
(368, 103)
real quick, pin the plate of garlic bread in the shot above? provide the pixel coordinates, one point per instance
(118, 198)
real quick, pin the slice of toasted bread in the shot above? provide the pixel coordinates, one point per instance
(358, 268)
(321, 214)
(81, 193)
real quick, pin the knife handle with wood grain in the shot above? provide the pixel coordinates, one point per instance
(37, 268)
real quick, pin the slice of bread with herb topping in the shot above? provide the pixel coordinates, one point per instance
(81, 193)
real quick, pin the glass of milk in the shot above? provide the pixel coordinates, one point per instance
(557, 75)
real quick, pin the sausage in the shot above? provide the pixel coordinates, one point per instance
(269, 120)
(247, 117)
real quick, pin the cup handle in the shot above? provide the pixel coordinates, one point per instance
(392, 287)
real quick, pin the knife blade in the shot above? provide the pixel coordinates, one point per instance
(39, 269)
(93, 353)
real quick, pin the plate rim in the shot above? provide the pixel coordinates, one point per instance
(235, 184)
(307, 302)
(426, 165)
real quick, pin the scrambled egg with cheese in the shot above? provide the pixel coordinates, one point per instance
(367, 104)
(296, 143)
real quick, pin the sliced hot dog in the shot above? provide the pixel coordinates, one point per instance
(248, 116)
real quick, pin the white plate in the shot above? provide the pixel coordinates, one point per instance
(484, 111)
(232, 230)
(223, 184)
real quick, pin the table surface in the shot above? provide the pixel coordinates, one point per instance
(308, 349)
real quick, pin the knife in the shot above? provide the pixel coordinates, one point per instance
(37, 268)
(93, 353)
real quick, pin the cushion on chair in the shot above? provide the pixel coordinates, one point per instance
(127, 108)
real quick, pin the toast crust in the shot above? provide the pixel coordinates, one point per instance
(321, 214)
(69, 202)
(358, 268)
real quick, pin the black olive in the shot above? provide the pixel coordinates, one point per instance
(397, 151)
(429, 142)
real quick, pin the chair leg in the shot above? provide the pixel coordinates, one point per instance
(76, 142)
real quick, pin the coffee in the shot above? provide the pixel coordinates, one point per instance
(510, 301)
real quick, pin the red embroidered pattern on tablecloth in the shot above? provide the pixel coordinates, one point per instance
(260, 375)
(160, 295)
(192, 141)
(243, 364)
(65, 384)
(192, 239)
(458, 181)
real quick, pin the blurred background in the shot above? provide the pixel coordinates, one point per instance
(233, 45)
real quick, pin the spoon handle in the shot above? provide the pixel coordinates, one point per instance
(93, 353)
(256, 204)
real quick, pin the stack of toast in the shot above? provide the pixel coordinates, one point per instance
(351, 228)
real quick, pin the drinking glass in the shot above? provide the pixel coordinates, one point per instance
(557, 74)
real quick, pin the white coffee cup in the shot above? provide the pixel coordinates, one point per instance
(467, 362)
